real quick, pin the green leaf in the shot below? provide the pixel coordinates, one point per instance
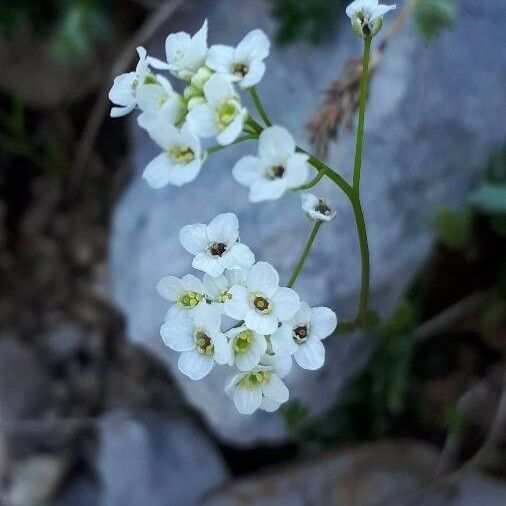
(432, 16)
(490, 198)
(454, 228)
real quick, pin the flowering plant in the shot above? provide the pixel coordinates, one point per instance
(237, 314)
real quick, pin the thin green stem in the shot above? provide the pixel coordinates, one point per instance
(309, 184)
(256, 127)
(304, 254)
(361, 113)
(259, 106)
(219, 147)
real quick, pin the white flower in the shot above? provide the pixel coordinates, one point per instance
(246, 347)
(262, 387)
(243, 64)
(181, 158)
(216, 246)
(302, 335)
(316, 208)
(262, 303)
(185, 54)
(186, 293)
(276, 169)
(199, 339)
(216, 289)
(222, 115)
(159, 103)
(367, 16)
(124, 89)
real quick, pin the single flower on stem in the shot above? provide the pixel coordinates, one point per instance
(367, 16)
(276, 169)
(125, 87)
(216, 246)
(199, 339)
(262, 303)
(246, 347)
(317, 209)
(301, 336)
(244, 63)
(222, 115)
(185, 294)
(179, 162)
(261, 388)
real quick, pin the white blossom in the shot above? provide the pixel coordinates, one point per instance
(244, 63)
(199, 339)
(185, 54)
(217, 288)
(181, 158)
(125, 87)
(222, 115)
(159, 103)
(276, 169)
(367, 16)
(246, 347)
(262, 303)
(316, 208)
(185, 293)
(216, 246)
(302, 336)
(262, 387)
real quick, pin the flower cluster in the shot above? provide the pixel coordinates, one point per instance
(238, 315)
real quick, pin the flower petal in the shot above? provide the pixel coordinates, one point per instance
(170, 287)
(323, 322)
(202, 120)
(275, 389)
(269, 405)
(264, 278)
(285, 303)
(223, 228)
(207, 317)
(221, 349)
(193, 238)
(310, 355)
(263, 189)
(195, 365)
(282, 341)
(157, 171)
(254, 75)
(233, 131)
(247, 400)
(220, 58)
(275, 144)
(215, 287)
(254, 46)
(178, 334)
(264, 324)
(237, 304)
(203, 262)
(238, 256)
(247, 170)
(217, 89)
(297, 170)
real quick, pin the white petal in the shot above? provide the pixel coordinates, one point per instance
(197, 49)
(170, 287)
(195, 365)
(254, 75)
(203, 121)
(220, 58)
(275, 144)
(264, 278)
(223, 228)
(309, 202)
(203, 262)
(233, 131)
(275, 389)
(323, 322)
(281, 365)
(285, 303)
(237, 277)
(297, 170)
(238, 256)
(262, 190)
(264, 324)
(247, 170)
(249, 359)
(221, 349)
(302, 316)
(215, 287)
(282, 341)
(231, 384)
(193, 238)
(178, 334)
(207, 317)
(183, 173)
(149, 96)
(269, 405)
(121, 91)
(217, 89)
(157, 172)
(310, 355)
(117, 112)
(176, 45)
(237, 304)
(247, 400)
(254, 46)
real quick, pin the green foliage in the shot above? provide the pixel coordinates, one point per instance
(453, 420)
(308, 20)
(454, 228)
(295, 414)
(432, 16)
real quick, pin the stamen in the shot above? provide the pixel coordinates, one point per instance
(275, 172)
(218, 249)
(300, 334)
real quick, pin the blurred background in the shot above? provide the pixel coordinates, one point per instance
(412, 412)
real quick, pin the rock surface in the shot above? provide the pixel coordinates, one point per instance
(383, 473)
(155, 462)
(435, 113)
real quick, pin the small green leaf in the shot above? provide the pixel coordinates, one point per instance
(454, 228)
(490, 198)
(432, 16)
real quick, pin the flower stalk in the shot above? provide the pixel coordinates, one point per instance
(304, 254)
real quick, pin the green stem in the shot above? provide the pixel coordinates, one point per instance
(259, 106)
(361, 113)
(309, 184)
(219, 147)
(304, 254)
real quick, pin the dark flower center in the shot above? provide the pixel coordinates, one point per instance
(300, 334)
(262, 304)
(204, 343)
(240, 69)
(275, 172)
(217, 249)
(323, 208)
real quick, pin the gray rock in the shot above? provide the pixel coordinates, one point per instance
(434, 115)
(396, 473)
(155, 462)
